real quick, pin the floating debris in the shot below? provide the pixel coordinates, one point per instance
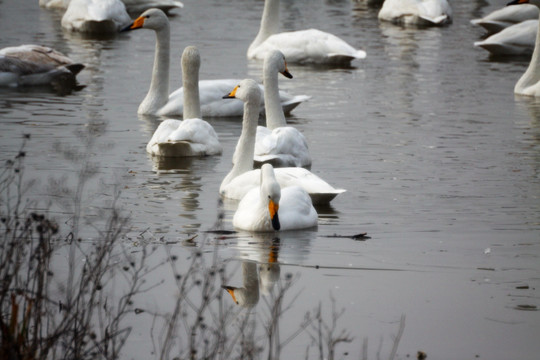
(361, 236)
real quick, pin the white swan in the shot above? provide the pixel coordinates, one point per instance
(135, 6)
(301, 47)
(506, 16)
(34, 65)
(529, 83)
(518, 39)
(192, 136)
(277, 143)
(259, 209)
(159, 102)
(95, 16)
(416, 12)
(242, 178)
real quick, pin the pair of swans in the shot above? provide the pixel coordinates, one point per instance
(95, 16)
(504, 17)
(529, 83)
(517, 39)
(291, 190)
(159, 102)
(34, 65)
(416, 12)
(310, 46)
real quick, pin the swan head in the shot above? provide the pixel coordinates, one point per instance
(191, 59)
(247, 91)
(154, 19)
(519, 2)
(270, 194)
(275, 61)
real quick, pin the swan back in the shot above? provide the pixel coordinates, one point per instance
(95, 16)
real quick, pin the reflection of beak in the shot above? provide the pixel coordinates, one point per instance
(137, 24)
(273, 209)
(230, 290)
(232, 94)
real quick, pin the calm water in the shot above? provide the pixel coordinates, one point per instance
(440, 161)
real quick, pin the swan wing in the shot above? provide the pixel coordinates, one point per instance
(514, 40)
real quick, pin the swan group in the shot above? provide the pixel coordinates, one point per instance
(159, 102)
(242, 177)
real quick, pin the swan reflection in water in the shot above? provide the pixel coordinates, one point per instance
(261, 267)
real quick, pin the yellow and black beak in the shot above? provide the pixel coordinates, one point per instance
(232, 94)
(230, 290)
(273, 209)
(517, 2)
(136, 24)
(286, 72)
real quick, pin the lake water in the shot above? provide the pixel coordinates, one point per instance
(440, 160)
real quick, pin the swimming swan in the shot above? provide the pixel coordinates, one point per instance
(243, 178)
(34, 65)
(529, 83)
(506, 16)
(192, 136)
(416, 12)
(259, 208)
(518, 39)
(301, 47)
(159, 102)
(277, 143)
(135, 6)
(95, 16)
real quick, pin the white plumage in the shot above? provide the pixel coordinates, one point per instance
(242, 178)
(505, 17)
(301, 47)
(191, 136)
(159, 102)
(270, 208)
(95, 16)
(416, 12)
(518, 39)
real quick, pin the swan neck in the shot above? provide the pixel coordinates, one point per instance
(273, 111)
(158, 93)
(190, 82)
(269, 22)
(245, 148)
(532, 75)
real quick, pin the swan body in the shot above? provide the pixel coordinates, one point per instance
(416, 12)
(518, 39)
(159, 102)
(277, 143)
(242, 178)
(135, 6)
(310, 46)
(192, 136)
(259, 208)
(529, 83)
(35, 65)
(213, 104)
(95, 16)
(506, 16)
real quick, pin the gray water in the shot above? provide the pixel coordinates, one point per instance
(440, 160)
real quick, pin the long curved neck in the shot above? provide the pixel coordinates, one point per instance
(269, 22)
(272, 102)
(532, 75)
(245, 148)
(190, 82)
(158, 94)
